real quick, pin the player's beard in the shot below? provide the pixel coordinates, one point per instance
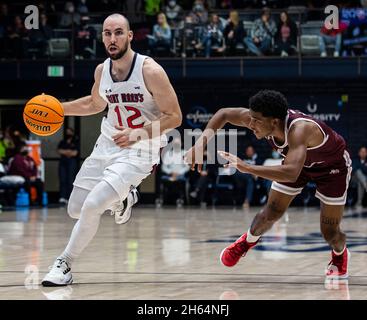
(118, 55)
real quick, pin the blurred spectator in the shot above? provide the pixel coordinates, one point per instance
(213, 38)
(49, 9)
(68, 149)
(360, 174)
(18, 138)
(286, 36)
(234, 32)
(275, 160)
(69, 16)
(85, 40)
(262, 34)
(5, 20)
(173, 12)
(224, 4)
(17, 38)
(174, 170)
(138, 8)
(3, 147)
(198, 13)
(9, 142)
(23, 165)
(14, 140)
(82, 7)
(38, 38)
(45, 6)
(5, 23)
(151, 10)
(245, 180)
(331, 36)
(206, 175)
(189, 37)
(161, 37)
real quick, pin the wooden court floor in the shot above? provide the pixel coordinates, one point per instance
(173, 253)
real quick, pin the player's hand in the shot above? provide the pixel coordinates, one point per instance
(233, 161)
(194, 156)
(127, 136)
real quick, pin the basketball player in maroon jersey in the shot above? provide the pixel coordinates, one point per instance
(312, 152)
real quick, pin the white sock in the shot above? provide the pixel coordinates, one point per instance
(251, 238)
(66, 257)
(97, 201)
(340, 253)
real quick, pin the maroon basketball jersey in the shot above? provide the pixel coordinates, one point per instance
(329, 153)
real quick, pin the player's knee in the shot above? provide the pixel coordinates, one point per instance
(74, 210)
(91, 204)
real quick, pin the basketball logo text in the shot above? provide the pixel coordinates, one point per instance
(43, 128)
(39, 113)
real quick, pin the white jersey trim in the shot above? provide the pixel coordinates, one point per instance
(286, 131)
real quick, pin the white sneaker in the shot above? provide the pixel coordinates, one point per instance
(123, 211)
(59, 275)
(323, 54)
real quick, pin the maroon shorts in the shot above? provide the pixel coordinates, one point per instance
(331, 182)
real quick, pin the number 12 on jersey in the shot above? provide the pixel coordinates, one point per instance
(135, 115)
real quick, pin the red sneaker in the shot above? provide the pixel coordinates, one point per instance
(230, 255)
(338, 266)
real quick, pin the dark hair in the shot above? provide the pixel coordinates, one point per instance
(19, 146)
(269, 103)
(265, 11)
(289, 19)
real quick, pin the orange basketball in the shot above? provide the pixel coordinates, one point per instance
(43, 115)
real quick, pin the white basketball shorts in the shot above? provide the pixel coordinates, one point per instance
(120, 167)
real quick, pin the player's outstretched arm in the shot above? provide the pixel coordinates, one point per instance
(88, 105)
(292, 166)
(236, 116)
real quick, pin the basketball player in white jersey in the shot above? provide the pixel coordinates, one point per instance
(142, 105)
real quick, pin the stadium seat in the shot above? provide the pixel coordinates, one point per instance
(59, 48)
(297, 13)
(98, 27)
(247, 25)
(310, 45)
(311, 27)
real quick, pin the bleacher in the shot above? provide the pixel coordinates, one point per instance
(64, 40)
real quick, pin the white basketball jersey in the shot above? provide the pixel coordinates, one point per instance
(130, 104)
